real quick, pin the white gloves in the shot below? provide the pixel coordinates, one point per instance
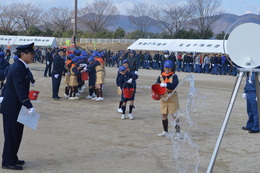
(163, 85)
(1, 99)
(30, 111)
(136, 72)
(244, 96)
(85, 69)
(256, 99)
(56, 76)
(48, 62)
(33, 85)
(130, 80)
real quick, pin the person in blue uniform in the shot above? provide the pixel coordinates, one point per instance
(126, 64)
(249, 94)
(126, 80)
(58, 69)
(3, 65)
(15, 96)
(91, 79)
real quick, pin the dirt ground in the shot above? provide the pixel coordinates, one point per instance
(79, 136)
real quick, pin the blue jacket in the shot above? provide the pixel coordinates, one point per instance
(122, 80)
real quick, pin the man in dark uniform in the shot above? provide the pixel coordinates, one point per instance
(49, 61)
(15, 96)
(58, 69)
(132, 62)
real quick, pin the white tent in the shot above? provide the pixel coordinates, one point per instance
(7, 39)
(181, 45)
(38, 41)
(20, 40)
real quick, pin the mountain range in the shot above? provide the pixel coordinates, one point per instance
(222, 24)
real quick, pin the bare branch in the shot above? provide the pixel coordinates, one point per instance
(8, 22)
(97, 16)
(27, 15)
(59, 19)
(139, 16)
(172, 18)
(205, 13)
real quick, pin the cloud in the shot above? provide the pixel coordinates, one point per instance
(248, 12)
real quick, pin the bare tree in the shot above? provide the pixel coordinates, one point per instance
(58, 19)
(7, 19)
(139, 16)
(171, 18)
(205, 14)
(27, 15)
(97, 16)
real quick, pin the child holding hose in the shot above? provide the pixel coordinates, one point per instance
(169, 80)
(126, 80)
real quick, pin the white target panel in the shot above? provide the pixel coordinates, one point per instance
(243, 45)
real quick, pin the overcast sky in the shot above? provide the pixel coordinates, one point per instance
(238, 7)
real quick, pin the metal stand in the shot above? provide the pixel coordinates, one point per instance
(229, 109)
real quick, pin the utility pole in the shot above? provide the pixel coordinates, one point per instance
(74, 38)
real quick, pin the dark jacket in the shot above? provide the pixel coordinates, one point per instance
(49, 57)
(3, 65)
(58, 65)
(16, 90)
(132, 64)
(170, 86)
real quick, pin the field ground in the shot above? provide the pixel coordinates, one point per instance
(79, 136)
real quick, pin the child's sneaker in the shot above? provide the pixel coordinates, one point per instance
(130, 116)
(65, 95)
(164, 133)
(99, 99)
(94, 98)
(122, 117)
(89, 97)
(120, 110)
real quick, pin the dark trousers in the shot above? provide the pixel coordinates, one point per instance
(13, 132)
(47, 69)
(55, 85)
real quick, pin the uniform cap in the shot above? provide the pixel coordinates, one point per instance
(71, 55)
(166, 52)
(125, 61)
(15, 57)
(168, 64)
(74, 59)
(122, 68)
(26, 48)
(94, 54)
(132, 51)
(102, 54)
(62, 50)
(91, 59)
(2, 54)
(77, 52)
